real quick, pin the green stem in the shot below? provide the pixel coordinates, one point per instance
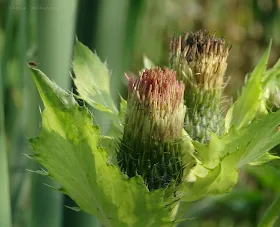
(271, 215)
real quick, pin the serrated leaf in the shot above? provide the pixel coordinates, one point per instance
(266, 157)
(67, 146)
(57, 188)
(110, 145)
(210, 153)
(30, 156)
(247, 105)
(92, 79)
(261, 136)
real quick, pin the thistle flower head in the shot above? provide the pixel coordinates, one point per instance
(200, 61)
(203, 57)
(158, 97)
(153, 128)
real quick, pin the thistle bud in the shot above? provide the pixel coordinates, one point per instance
(200, 61)
(152, 139)
(272, 97)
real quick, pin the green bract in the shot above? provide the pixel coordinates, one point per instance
(74, 153)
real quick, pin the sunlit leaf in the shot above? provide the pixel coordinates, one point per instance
(219, 180)
(254, 141)
(247, 105)
(92, 79)
(247, 145)
(266, 157)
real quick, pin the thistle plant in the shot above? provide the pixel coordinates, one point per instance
(147, 164)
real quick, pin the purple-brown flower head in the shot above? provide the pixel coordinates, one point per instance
(153, 128)
(158, 97)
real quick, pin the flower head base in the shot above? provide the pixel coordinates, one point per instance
(153, 128)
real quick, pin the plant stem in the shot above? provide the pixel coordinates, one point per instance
(271, 215)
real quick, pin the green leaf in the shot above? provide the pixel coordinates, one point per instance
(110, 145)
(272, 87)
(67, 146)
(118, 125)
(92, 79)
(123, 106)
(210, 153)
(272, 75)
(218, 181)
(252, 141)
(266, 157)
(247, 105)
(247, 145)
(228, 119)
(261, 136)
(148, 64)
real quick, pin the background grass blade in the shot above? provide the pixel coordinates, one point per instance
(271, 215)
(5, 210)
(55, 34)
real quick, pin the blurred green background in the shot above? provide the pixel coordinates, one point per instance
(121, 32)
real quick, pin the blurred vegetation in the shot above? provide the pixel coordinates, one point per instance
(120, 32)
